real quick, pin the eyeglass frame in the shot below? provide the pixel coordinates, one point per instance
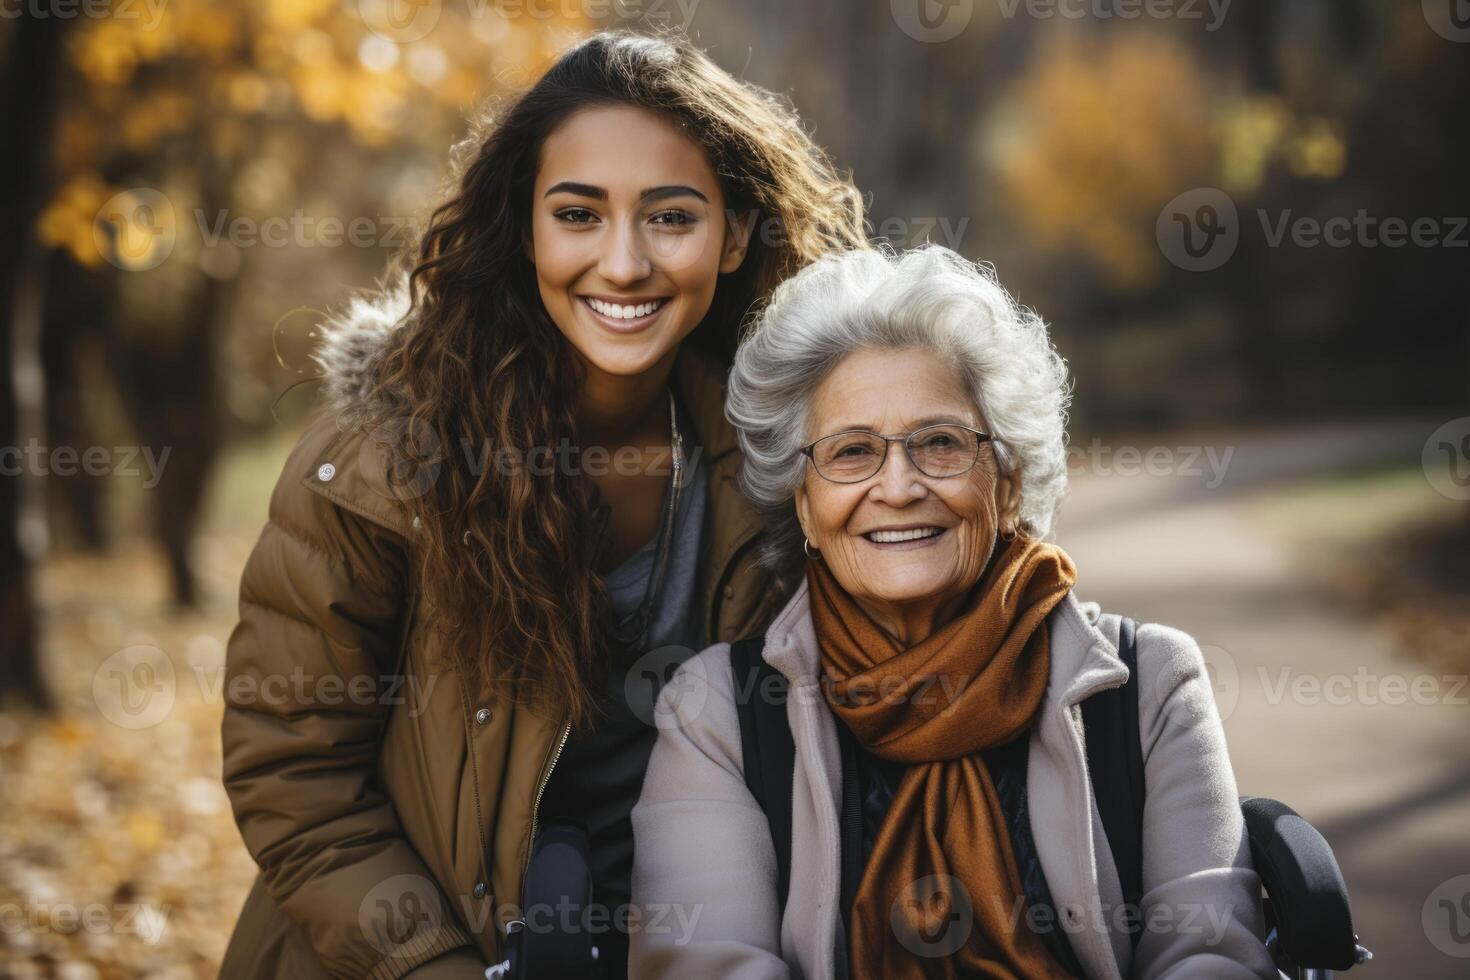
(982, 439)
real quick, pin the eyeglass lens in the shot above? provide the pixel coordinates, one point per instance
(937, 450)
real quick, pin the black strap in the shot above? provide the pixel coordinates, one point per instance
(1114, 760)
(850, 823)
(1115, 764)
(769, 754)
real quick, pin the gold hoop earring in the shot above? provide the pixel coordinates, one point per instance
(806, 549)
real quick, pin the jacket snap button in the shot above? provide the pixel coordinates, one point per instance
(729, 592)
(325, 472)
(479, 889)
(482, 717)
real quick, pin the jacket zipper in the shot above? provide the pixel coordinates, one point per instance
(566, 730)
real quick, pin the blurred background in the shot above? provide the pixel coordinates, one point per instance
(1246, 222)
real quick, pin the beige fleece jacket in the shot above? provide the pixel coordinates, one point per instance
(705, 866)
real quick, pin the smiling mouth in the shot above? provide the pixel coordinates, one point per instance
(624, 311)
(910, 534)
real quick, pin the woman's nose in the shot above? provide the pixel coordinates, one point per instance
(899, 481)
(624, 258)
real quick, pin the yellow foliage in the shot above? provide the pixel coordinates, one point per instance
(1250, 131)
(105, 52)
(1317, 150)
(1102, 131)
(295, 15)
(321, 88)
(145, 830)
(68, 220)
(247, 91)
(207, 27)
(147, 119)
(208, 70)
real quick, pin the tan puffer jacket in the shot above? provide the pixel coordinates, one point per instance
(390, 816)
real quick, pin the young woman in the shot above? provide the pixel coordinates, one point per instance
(518, 509)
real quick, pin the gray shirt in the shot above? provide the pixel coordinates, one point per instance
(599, 774)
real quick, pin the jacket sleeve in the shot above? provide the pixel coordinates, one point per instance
(704, 867)
(321, 609)
(1201, 904)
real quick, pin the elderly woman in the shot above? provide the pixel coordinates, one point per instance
(902, 421)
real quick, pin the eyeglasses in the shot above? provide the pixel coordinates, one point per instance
(852, 456)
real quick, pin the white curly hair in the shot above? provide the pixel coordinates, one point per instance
(928, 298)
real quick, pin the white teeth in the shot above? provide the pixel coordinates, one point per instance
(886, 537)
(623, 312)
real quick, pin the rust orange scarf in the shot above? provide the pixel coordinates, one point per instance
(943, 853)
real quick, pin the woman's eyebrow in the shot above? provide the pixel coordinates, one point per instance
(600, 193)
(573, 187)
(671, 190)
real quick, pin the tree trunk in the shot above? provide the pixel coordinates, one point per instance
(27, 101)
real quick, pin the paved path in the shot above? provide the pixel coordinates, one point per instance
(1306, 687)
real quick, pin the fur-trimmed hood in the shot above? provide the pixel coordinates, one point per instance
(353, 342)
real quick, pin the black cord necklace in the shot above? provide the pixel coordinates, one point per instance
(632, 631)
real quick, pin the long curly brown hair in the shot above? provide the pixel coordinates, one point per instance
(507, 559)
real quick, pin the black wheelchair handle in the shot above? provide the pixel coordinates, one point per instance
(557, 888)
(1307, 892)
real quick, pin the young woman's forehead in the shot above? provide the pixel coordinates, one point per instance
(623, 148)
